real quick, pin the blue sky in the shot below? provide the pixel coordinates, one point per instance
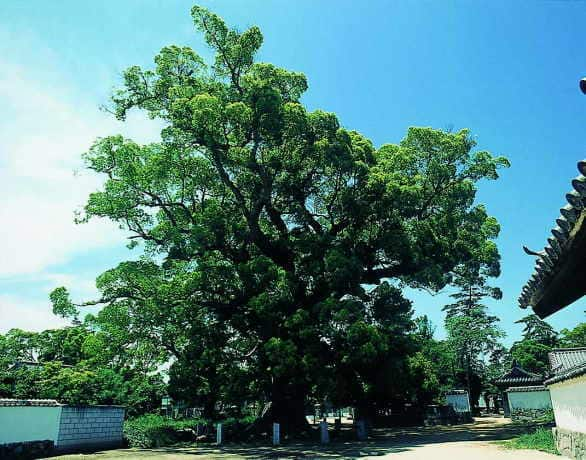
(506, 70)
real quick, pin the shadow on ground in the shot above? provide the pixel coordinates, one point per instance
(381, 442)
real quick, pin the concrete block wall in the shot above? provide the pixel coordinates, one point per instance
(90, 427)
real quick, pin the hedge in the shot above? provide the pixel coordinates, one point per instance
(156, 431)
(153, 430)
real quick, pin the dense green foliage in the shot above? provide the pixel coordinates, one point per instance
(539, 338)
(576, 337)
(266, 226)
(70, 368)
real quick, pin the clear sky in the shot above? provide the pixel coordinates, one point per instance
(509, 71)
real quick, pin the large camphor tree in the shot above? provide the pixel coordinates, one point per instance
(276, 241)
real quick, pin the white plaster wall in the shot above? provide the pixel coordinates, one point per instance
(529, 400)
(459, 402)
(569, 404)
(29, 423)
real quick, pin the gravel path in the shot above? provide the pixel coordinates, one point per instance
(469, 442)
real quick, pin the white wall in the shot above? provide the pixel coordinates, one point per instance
(459, 402)
(29, 423)
(569, 404)
(529, 400)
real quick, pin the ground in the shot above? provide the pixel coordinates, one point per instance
(471, 441)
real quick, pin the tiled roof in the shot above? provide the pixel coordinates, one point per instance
(528, 388)
(518, 376)
(563, 359)
(28, 402)
(566, 363)
(551, 258)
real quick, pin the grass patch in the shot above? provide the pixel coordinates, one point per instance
(541, 439)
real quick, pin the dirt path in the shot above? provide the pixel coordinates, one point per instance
(470, 442)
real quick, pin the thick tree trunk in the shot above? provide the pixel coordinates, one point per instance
(367, 412)
(288, 408)
(469, 384)
(209, 407)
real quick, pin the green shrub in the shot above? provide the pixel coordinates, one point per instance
(155, 430)
(237, 428)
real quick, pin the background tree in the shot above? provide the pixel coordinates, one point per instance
(570, 338)
(473, 334)
(539, 338)
(75, 366)
(271, 221)
(440, 363)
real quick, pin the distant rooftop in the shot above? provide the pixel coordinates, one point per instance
(456, 392)
(517, 377)
(32, 364)
(527, 389)
(4, 402)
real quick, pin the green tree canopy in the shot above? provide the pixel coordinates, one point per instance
(264, 224)
(539, 338)
(571, 338)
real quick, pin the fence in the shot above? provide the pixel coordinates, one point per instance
(67, 428)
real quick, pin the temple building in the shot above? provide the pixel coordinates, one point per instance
(517, 377)
(558, 281)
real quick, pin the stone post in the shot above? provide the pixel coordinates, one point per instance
(324, 434)
(276, 434)
(219, 434)
(361, 430)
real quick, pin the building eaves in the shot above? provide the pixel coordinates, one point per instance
(567, 375)
(555, 254)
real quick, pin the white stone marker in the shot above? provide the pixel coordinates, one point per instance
(276, 434)
(324, 434)
(219, 434)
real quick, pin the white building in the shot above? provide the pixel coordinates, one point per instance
(558, 281)
(568, 396)
(528, 402)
